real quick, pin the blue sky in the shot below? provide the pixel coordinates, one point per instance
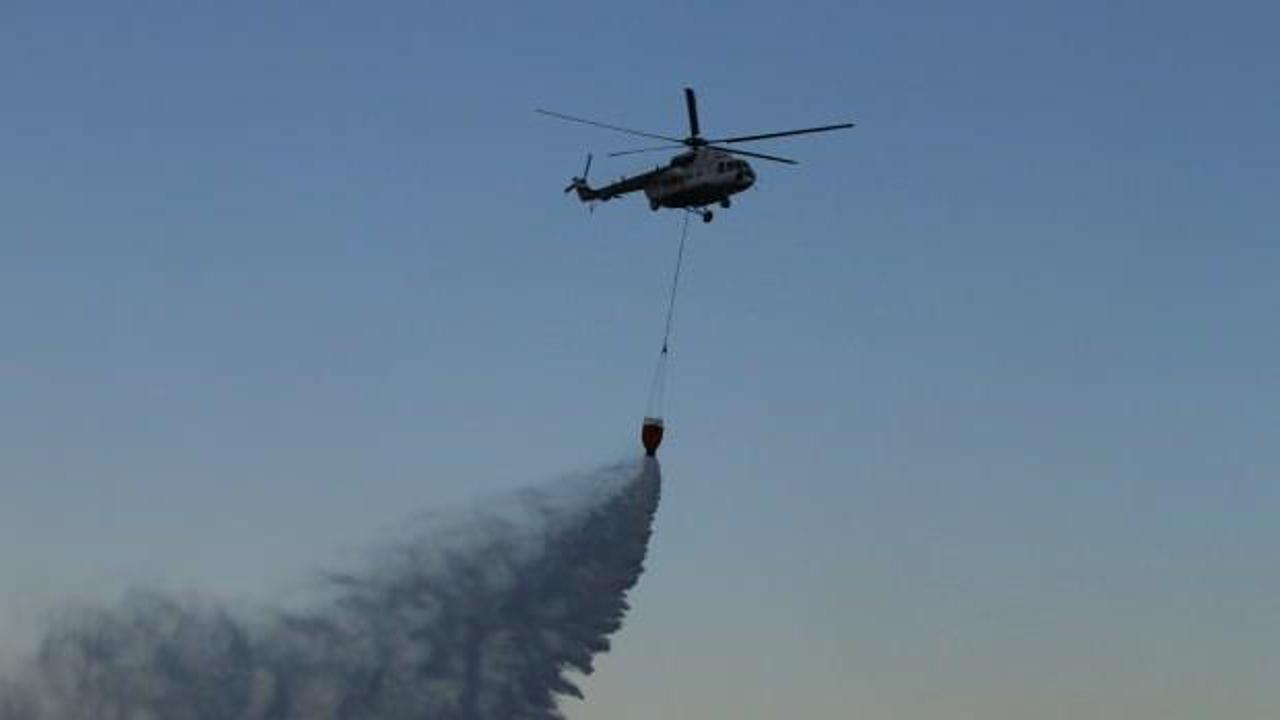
(972, 413)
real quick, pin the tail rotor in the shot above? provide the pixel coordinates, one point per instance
(580, 182)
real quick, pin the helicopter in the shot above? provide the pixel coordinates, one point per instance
(705, 174)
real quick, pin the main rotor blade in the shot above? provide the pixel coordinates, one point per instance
(765, 136)
(762, 156)
(645, 150)
(691, 102)
(607, 126)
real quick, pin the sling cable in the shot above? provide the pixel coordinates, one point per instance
(652, 428)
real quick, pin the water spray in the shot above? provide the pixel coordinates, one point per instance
(477, 620)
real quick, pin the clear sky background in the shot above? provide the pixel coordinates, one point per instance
(973, 413)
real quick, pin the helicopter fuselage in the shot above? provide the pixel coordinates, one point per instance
(692, 180)
(698, 178)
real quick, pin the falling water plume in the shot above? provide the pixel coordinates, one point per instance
(466, 621)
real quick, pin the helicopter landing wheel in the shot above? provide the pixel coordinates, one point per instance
(707, 216)
(653, 205)
(725, 203)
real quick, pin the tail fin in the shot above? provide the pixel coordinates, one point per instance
(585, 193)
